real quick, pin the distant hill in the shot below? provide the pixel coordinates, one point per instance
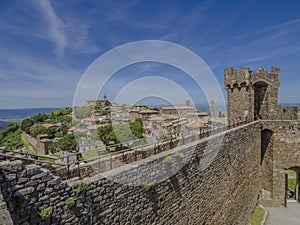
(3, 124)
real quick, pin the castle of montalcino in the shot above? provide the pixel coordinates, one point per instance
(220, 182)
(254, 95)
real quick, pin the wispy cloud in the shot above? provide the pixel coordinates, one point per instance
(56, 29)
(64, 31)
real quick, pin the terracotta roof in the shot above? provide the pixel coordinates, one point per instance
(81, 130)
(91, 119)
(49, 125)
(72, 129)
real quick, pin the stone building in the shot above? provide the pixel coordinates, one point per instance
(99, 102)
(140, 111)
(42, 144)
(176, 110)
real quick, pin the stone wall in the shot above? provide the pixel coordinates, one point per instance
(267, 145)
(224, 191)
(288, 112)
(282, 153)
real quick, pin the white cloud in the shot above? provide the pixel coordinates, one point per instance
(55, 26)
(64, 31)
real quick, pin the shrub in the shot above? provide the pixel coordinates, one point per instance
(45, 213)
(84, 212)
(69, 202)
(135, 216)
(179, 155)
(167, 159)
(80, 189)
(148, 187)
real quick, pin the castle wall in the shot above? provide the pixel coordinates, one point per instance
(225, 192)
(285, 150)
(236, 103)
(267, 145)
(288, 112)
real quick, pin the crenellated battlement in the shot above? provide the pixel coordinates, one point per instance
(252, 94)
(244, 77)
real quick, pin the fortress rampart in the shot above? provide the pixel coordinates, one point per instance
(221, 183)
(226, 192)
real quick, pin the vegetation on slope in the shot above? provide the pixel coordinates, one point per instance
(121, 132)
(11, 137)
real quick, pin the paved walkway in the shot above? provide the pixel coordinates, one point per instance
(284, 216)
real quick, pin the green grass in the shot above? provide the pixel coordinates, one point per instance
(292, 179)
(291, 173)
(46, 159)
(28, 146)
(91, 154)
(292, 184)
(257, 216)
(148, 187)
(167, 159)
(45, 213)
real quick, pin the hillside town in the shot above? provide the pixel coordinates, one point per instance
(94, 125)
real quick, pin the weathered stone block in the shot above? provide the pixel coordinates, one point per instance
(12, 166)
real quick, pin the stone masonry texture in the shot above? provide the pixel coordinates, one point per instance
(225, 192)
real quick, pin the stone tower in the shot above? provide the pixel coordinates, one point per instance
(187, 102)
(252, 95)
(212, 108)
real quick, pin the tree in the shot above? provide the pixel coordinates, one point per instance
(39, 118)
(50, 132)
(67, 143)
(84, 112)
(121, 132)
(36, 129)
(26, 124)
(137, 128)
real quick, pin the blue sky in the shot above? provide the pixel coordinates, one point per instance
(45, 46)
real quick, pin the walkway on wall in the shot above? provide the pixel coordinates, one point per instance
(66, 168)
(284, 216)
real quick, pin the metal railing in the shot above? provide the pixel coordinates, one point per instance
(105, 160)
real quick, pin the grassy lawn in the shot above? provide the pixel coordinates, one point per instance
(89, 155)
(46, 159)
(28, 146)
(92, 154)
(257, 216)
(292, 184)
(292, 179)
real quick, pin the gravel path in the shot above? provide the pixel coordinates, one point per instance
(284, 216)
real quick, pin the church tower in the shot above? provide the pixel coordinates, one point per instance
(212, 108)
